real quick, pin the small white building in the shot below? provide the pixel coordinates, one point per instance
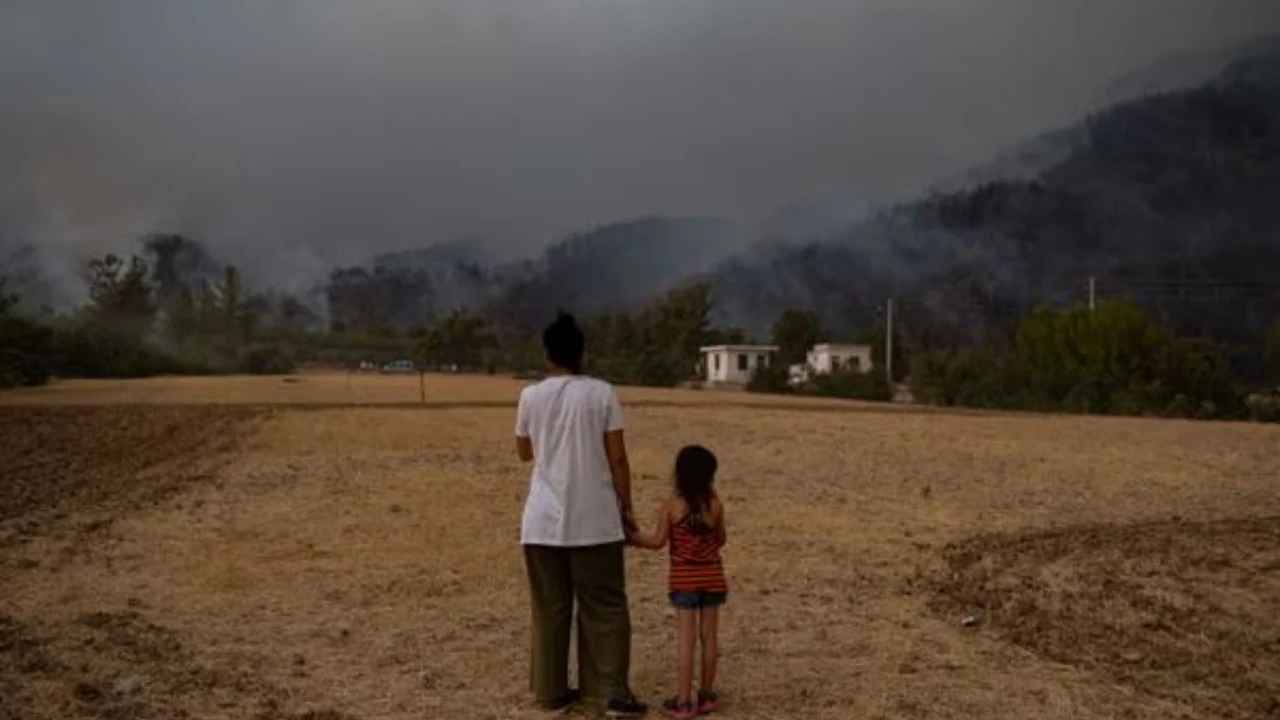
(734, 364)
(826, 358)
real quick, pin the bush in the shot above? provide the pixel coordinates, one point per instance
(20, 369)
(854, 384)
(266, 360)
(970, 378)
(24, 347)
(1264, 407)
(773, 378)
(1115, 360)
(1194, 380)
(648, 368)
(85, 350)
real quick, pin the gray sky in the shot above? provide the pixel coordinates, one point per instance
(321, 130)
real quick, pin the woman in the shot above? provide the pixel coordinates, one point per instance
(576, 521)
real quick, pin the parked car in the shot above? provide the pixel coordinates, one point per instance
(398, 366)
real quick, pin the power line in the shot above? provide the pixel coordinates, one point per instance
(1188, 282)
(1188, 289)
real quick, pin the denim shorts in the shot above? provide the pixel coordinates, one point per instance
(696, 599)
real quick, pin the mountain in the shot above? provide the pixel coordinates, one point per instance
(1167, 196)
(613, 267)
(1024, 160)
(610, 267)
(457, 273)
(462, 251)
(1169, 75)
(1184, 70)
(621, 264)
(1170, 196)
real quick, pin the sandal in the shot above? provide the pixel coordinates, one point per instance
(707, 702)
(674, 708)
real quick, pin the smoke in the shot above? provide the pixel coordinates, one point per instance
(294, 135)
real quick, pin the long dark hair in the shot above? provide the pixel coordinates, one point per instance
(695, 483)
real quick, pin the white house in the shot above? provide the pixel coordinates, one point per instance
(826, 358)
(829, 357)
(734, 364)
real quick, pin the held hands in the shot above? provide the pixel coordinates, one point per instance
(635, 537)
(629, 528)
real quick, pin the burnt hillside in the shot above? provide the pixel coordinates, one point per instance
(1170, 198)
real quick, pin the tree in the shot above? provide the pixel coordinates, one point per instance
(901, 359)
(24, 345)
(727, 336)
(182, 320)
(1113, 359)
(461, 339)
(657, 345)
(1192, 378)
(615, 346)
(120, 294)
(795, 332)
(7, 300)
(980, 377)
(378, 299)
(229, 293)
(293, 316)
(1271, 352)
(681, 326)
(235, 316)
(176, 262)
(1081, 358)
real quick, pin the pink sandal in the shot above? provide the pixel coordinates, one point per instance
(674, 708)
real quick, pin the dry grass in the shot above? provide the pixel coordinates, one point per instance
(363, 560)
(329, 389)
(1178, 609)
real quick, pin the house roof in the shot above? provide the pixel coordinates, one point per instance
(738, 348)
(841, 346)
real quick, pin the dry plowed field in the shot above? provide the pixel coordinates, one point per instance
(332, 548)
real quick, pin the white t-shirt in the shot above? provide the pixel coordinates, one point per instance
(571, 499)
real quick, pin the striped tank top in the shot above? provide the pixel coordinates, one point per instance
(695, 560)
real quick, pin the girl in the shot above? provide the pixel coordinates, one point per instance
(691, 524)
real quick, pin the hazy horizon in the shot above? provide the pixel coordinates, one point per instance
(300, 134)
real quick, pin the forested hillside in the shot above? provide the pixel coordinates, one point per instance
(613, 266)
(1171, 198)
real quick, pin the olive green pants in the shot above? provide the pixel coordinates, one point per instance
(595, 577)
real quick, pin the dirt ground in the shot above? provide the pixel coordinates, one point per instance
(332, 551)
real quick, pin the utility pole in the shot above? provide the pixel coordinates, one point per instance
(888, 342)
(1093, 293)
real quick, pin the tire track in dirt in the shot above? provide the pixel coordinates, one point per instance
(1179, 610)
(56, 461)
(113, 665)
(63, 465)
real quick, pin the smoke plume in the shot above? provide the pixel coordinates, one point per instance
(295, 135)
